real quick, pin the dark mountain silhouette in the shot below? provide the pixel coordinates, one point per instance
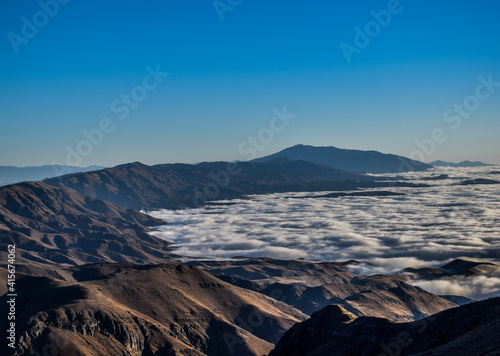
(459, 271)
(462, 267)
(471, 329)
(369, 193)
(458, 267)
(459, 164)
(138, 186)
(438, 177)
(11, 175)
(478, 181)
(126, 309)
(52, 226)
(349, 160)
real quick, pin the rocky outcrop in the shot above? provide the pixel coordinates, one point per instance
(462, 331)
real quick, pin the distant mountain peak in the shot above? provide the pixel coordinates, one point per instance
(347, 159)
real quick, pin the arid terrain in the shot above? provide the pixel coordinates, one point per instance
(94, 278)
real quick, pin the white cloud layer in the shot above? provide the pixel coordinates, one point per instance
(425, 227)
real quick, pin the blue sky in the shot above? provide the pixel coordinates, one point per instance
(232, 68)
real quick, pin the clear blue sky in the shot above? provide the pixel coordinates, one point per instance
(226, 77)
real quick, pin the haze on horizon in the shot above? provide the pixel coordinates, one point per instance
(427, 71)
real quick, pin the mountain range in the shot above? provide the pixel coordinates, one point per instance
(311, 286)
(11, 175)
(243, 307)
(174, 186)
(138, 186)
(179, 309)
(93, 280)
(462, 164)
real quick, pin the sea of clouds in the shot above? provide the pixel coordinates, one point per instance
(427, 226)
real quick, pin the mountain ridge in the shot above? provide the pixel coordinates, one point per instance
(461, 164)
(11, 174)
(173, 186)
(310, 286)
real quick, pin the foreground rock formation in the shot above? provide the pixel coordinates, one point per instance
(463, 331)
(125, 309)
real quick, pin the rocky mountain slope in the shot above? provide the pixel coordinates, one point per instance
(126, 309)
(349, 160)
(53, 226)
(311, 286)
(463, 331)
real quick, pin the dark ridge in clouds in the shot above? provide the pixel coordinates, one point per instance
(475, 287)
